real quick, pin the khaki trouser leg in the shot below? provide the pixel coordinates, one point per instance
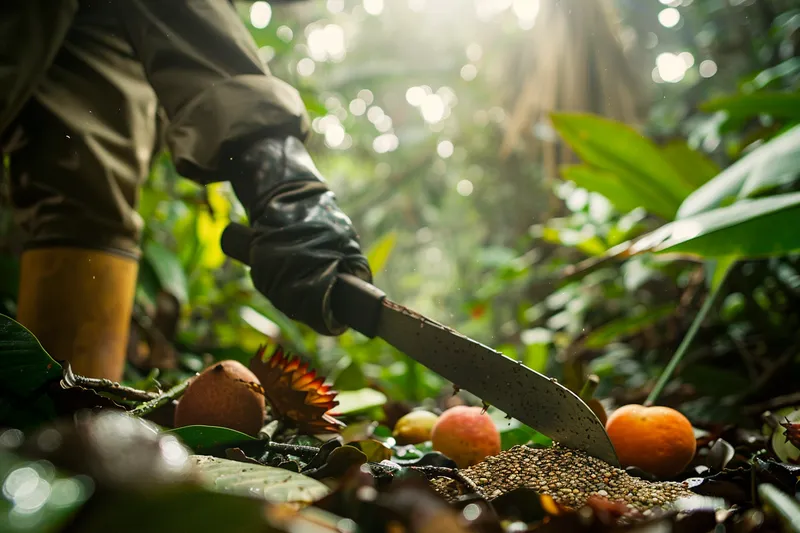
(84, 145)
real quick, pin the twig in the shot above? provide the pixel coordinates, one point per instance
(106, 385)
(774, 403)
(288, 449)
(159, 401)
(452, 473)
(687, 340)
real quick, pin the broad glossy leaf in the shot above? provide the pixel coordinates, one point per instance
(24, 364)
(203, 438)
(695, 167)
(168, 269)
(25, 370)
(619, 149)
(625, 197)
(357, 401)
(763, 227)
(776, 104)
(774, 163)
(277, 485)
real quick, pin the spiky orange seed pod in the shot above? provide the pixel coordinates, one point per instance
(295, 394)
(792, 432)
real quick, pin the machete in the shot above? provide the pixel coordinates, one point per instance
(532, 398)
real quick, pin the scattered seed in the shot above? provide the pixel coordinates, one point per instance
(569, 477)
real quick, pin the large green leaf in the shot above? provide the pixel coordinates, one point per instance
(167, 267)
(694, 166)
(204, 438)
(25, 370)
(757, 228)
(635, 160)
(273, 484)
(776, 104)
(775, 163)
(625, 198)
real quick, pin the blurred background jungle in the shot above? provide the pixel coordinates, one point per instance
(495, 156)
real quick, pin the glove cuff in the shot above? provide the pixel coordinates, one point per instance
(262, 170)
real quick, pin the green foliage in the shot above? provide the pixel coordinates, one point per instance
(26, 371)
(276, 485)
(768, 167)
(201, 439)
(358, 401)
(623, 165)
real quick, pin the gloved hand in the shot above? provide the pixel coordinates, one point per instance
(302, 239)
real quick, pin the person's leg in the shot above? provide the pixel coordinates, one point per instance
(87, 139)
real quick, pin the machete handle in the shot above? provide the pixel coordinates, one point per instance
(354, 302)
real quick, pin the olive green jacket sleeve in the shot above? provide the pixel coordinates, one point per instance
(204, 67)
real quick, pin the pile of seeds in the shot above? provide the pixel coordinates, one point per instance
(570, 477)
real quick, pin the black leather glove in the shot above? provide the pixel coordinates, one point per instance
(302, 239)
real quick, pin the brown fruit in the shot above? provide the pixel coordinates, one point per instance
(465, 434)
(414, 427)
(659, 440)
(221, 396)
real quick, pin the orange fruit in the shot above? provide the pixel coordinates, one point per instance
(414, 427)
(218, 397)
(659, 440)
(465, 434)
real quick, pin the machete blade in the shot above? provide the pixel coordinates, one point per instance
(532, 398)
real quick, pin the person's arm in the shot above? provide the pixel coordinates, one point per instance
(231, 120)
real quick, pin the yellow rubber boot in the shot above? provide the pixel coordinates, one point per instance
(78, 303)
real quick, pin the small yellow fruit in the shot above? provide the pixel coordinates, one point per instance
(218, 397)
(465, 434)
(414, 427)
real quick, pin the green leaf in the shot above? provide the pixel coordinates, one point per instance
(635, 160)
(168, 269)
(721, 267)
(764, 227)
(537, 356)
(378, 254)
(627, 326)
(773, 103)
(770, 165)
(625, 198)
(276, 485)
(356, 401)
(202, 439)
(25, 370)
(769, 76)
(695, 167)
